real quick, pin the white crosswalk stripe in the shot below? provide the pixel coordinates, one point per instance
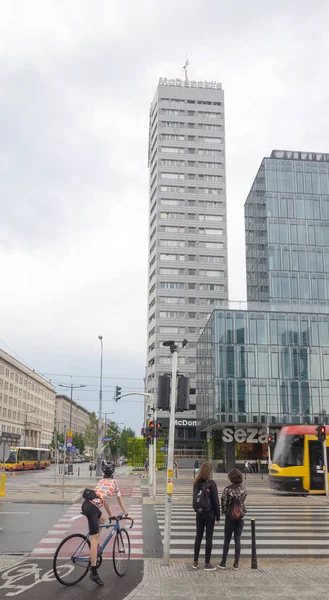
(282, 531)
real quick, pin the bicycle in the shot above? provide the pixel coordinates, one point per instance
(76, 547)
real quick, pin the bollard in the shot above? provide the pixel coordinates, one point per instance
(262, 476)
(245, 473)
(78, 471)
(3, 484)
(253, 544)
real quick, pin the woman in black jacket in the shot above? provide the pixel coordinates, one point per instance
(206, 489)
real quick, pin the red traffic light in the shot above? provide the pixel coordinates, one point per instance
(151, 425)
(159, 425)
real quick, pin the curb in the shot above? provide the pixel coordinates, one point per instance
(141, 584)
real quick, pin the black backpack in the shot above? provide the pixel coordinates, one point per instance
(89, 494)
(201, 499)
(236, 511)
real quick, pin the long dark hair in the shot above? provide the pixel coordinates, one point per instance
(204, 473)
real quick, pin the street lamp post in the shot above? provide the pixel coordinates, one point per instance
(72, 387)
(99, 447)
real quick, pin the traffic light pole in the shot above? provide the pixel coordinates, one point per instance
(155, 454)
(151, 462)
(325, 462)
(170, 461)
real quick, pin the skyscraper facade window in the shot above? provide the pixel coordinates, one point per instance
(187, 223)
(287, 229)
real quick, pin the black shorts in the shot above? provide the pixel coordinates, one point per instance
(93, 513)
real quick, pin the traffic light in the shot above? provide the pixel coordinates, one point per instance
(151, 429)
(148, 440)
(321, 432)
(270, 440)
(117, 393)
(163, 397)
(183, 393)
(159, 429)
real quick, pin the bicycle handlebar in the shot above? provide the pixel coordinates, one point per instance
(121, 518)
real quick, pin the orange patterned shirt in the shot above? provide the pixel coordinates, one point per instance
(106, 488)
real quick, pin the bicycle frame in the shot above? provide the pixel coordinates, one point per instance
(115, 528)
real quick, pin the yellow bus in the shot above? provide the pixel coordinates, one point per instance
(24, 458)
(297, 465)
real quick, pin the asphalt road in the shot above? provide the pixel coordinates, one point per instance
(34, 580)
(24, 525)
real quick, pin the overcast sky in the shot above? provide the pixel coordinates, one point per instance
(77, 79)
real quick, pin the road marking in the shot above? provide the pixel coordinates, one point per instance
(50, 541)
(14, 513)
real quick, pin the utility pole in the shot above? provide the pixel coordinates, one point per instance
(171, 440)
(64, 455)
(99, 447)
(71, 386)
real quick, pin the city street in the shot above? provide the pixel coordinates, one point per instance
(287, 527)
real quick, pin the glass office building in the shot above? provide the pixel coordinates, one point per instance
(287, 229)
(257, 367)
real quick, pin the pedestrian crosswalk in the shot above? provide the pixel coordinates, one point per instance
(285, 531)
(73, 522)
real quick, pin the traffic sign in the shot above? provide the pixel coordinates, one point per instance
(4, 452)
(69, 433)
(107, 439)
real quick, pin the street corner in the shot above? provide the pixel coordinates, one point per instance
(34, 579)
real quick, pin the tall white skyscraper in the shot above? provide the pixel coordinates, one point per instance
(187, 233)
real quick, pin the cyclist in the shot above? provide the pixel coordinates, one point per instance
(105, 488)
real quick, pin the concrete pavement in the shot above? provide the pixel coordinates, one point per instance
(179, 580)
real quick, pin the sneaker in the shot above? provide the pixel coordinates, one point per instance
(222, 565)
(96, 578)
(209, 567)
(236, 565)
(195, 565)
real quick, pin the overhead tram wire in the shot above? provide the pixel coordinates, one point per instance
(92, 376)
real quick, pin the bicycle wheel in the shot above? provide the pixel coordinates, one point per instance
(121, 552)
(72, 559)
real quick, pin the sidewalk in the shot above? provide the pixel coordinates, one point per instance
(180, 581)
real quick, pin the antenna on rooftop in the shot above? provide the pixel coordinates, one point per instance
(185, 69)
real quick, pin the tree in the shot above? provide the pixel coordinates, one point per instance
(60, 439)
(91, 434)
(78, 442)
(125, 435)
(112, 446)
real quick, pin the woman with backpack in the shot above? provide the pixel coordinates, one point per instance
(206, 506)
(233, 499)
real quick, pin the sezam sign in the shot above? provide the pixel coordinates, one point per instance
(250, 435)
